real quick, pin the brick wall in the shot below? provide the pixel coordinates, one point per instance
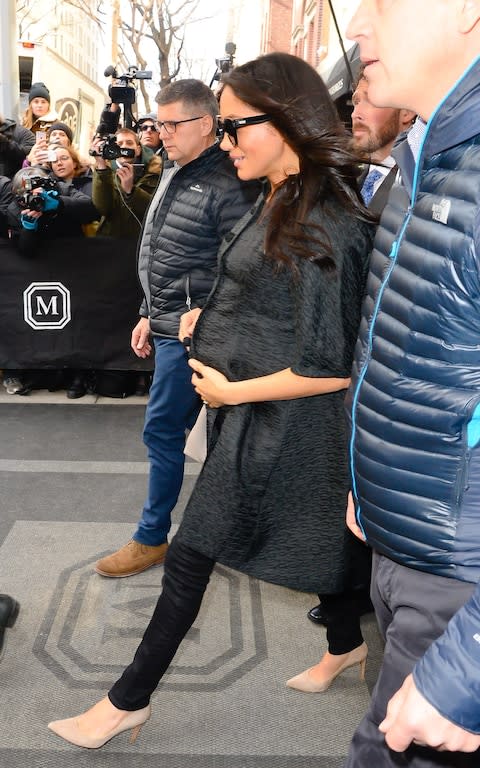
(278, 32)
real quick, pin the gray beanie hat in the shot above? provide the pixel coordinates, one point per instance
(58, 126)
(39, 90)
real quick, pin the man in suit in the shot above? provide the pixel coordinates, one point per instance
(375, 130)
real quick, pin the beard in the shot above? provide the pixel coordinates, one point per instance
(371, 141)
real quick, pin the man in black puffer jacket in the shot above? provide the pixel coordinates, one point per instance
(198, 200)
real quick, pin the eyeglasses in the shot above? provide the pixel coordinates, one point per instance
(147, 128)
(170, 126)
(230, 127)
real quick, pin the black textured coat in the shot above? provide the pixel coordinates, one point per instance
(271, 497)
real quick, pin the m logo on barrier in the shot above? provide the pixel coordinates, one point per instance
(46, 306)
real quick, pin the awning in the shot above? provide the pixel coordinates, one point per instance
(339, 82)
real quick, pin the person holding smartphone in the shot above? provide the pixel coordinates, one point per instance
(123, 187)
(41, 153)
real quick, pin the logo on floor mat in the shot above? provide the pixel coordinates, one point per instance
(46, 306)
(93, 626)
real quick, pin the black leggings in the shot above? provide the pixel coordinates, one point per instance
(187, 574)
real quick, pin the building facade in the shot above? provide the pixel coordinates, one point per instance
(305, 28)
(60, 46)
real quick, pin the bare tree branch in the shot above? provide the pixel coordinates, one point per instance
(158, 25)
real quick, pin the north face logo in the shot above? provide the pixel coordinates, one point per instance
(46, 306)
(441, 210)
(196, 188)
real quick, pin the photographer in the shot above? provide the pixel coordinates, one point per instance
(124, 180)
(43, 208)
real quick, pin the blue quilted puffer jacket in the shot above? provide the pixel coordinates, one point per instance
(415, 396)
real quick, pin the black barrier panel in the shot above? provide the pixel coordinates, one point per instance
(72, 305)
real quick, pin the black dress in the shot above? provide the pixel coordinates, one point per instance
(270, 500)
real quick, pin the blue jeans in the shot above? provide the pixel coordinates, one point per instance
(172, 408)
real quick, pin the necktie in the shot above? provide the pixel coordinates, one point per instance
(368, 185)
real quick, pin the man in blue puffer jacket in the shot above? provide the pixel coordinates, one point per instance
(415, 396)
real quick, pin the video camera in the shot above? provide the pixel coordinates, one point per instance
(224, 64)
(122, 91)
(110, 150)
(28, 179)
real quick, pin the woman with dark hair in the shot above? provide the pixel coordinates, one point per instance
(271, 355)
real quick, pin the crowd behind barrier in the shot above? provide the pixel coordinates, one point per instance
(46, 194)
(71, 306)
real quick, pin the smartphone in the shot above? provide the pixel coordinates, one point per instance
(51, 155)
(40, 136)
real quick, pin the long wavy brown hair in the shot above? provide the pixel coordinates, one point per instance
(300, 108)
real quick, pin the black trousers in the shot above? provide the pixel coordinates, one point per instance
(186, 576)
(343, 628)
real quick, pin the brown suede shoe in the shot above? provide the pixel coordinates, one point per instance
(131, 559)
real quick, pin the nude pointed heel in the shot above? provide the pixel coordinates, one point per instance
(311, 683)
(363, 666)
(135, 732)
(75, 731)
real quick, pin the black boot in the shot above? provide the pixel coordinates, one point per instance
(143, 385)
(318, 615)
(77, 388)
(9, 609)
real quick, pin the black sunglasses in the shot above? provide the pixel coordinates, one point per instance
(147, 127)
(230, 127)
